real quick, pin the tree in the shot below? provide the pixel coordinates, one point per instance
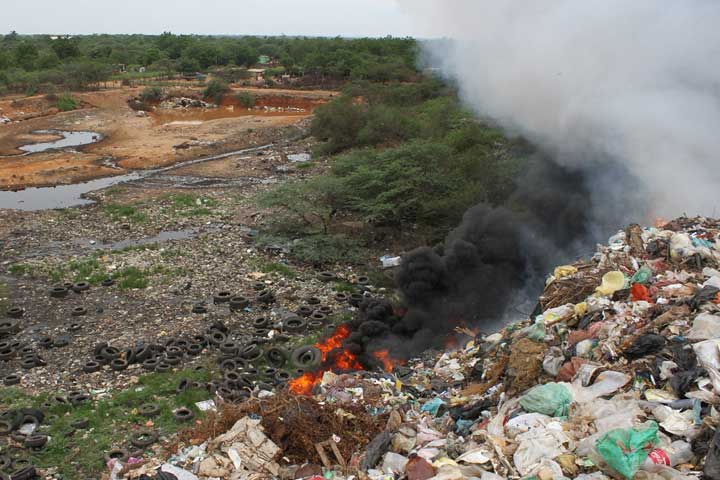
(25, 55)
(48, 59)
(66, 47)
(189, 65)
(216, 89)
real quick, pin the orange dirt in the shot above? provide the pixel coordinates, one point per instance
(133, 142)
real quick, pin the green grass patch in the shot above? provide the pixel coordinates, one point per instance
(279, 268)
(118, 212)
(66, 103)
(80, 454)
(21, 269)
(4, 299)
(189, 205)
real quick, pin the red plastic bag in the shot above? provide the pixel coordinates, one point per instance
(639, 292)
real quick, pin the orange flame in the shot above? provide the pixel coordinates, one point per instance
(388, 362)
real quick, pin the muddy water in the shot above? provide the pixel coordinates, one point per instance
(69, 140)
(63, 196)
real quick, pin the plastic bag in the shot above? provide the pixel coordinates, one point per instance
(625, 450)
(611, 283)
(704, 327)
(645, 345)
(712, 461)
(542, 442)
(642, 276)
(550, 399)
(639, 292)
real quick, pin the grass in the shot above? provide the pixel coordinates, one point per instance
(4, 298)
(21, 269)
(91, 270)
(318, 249)
(279, 268)
(66, 103)
(118, 212)
(189, 205)
(112, 420)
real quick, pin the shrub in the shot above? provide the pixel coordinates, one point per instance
(245, 99)
(151, 94)
(66, 103)
(216, 90)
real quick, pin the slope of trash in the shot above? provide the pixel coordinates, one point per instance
(617, 375)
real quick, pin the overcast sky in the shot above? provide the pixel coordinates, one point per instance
(236, 17)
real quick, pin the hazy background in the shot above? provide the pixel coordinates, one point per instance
(237, 17)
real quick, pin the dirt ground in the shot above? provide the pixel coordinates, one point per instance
(131, 141)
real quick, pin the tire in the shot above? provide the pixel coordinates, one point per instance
(60, 342)
(80, 424)
(36, 413)
(199, 308)
(59, 291)
(222, 297)
(277, 357)
(150, 364)
(260, 322)
(217, 338)
(239, 302)
(9, 326)
(143, 438)
(118, 364)
(251, 353)
(79, 398)
(117, 453)
(259, 286)
(15, 312)
(282, 376)
(46, 342)
(25, 473)
(149, 410)
(183, 414)
(35, 441)
(307, 357)
(108, 282)
(91, 367)
(163, 367)
(326, 276)
(342, 297)
(304, 310)
(170, 360)
(110, 353)
(265, 296)
(183, 386)
(315, 325)
(293, 325)
(318, 317)
(356, 299)
(79, 287)
(11, 380)
(194, 349)
(74, 327)
(142, 353)
(78, 311)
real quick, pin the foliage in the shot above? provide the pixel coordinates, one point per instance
(118, 212)
(66, 103)
(151, 94)
(216, 90)
(318, 249)
(245, 99)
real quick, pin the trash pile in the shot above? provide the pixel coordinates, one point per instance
(616, 375)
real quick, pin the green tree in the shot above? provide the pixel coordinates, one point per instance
(66, 47)
(26, 54)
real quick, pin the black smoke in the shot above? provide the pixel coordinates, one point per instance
(491, 268)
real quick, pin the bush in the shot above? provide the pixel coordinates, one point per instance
(245, 99)
(151, 94)
(337, 123)
(216, 90)
(66, 103)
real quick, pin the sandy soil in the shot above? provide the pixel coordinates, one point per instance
(130, 141)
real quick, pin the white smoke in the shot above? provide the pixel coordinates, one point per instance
(636, 81)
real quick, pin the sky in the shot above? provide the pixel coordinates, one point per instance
(236, 17)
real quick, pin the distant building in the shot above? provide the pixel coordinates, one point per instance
(257, 74)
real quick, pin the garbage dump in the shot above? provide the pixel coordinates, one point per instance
(616, 375)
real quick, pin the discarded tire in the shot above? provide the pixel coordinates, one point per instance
(194, 349)
(307, 357)
(341, 297)
(60, 342)
(9, 326)
(149, 410)
(110, 353)
(315, 325)
(143, 438)
(265, 296)
(163, 367)
(356, 299)
(78, 311)
(45, 342)
(74, 327)
(118, 364)
(304, 310)
(199, 308)
(325, 309)
(35, 441)
(183, 386)
(183, 414)
(15, 312)
(91, 367)
(80, 287)
(78, 398)
(58, 292)
(260, 322)
(216, 338)
(277, 357)
(222, 297)
(318, 317)
(11, 379)
(363, 280)
(23, 473)
(326, 276)
(282, 377)
(313, 301)
(251, 353)
(150, 364)
(229, 348)
(293, 325)
(119, 454)
(258, 286)
(108, 282)
(239, 302)
(80, 424)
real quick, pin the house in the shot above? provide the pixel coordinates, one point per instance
(257, 74)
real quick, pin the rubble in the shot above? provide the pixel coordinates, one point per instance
(598, 384)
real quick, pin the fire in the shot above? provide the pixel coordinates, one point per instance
(388, 362)
(335, 358)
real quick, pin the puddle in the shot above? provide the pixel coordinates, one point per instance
(69, 140)
(63, 196)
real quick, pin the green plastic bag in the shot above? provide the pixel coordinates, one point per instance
(626, 449)
(536, 332)
(550, 399)
(642, 276)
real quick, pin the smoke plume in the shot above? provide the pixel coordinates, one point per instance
(633, 82)
(621, 100)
